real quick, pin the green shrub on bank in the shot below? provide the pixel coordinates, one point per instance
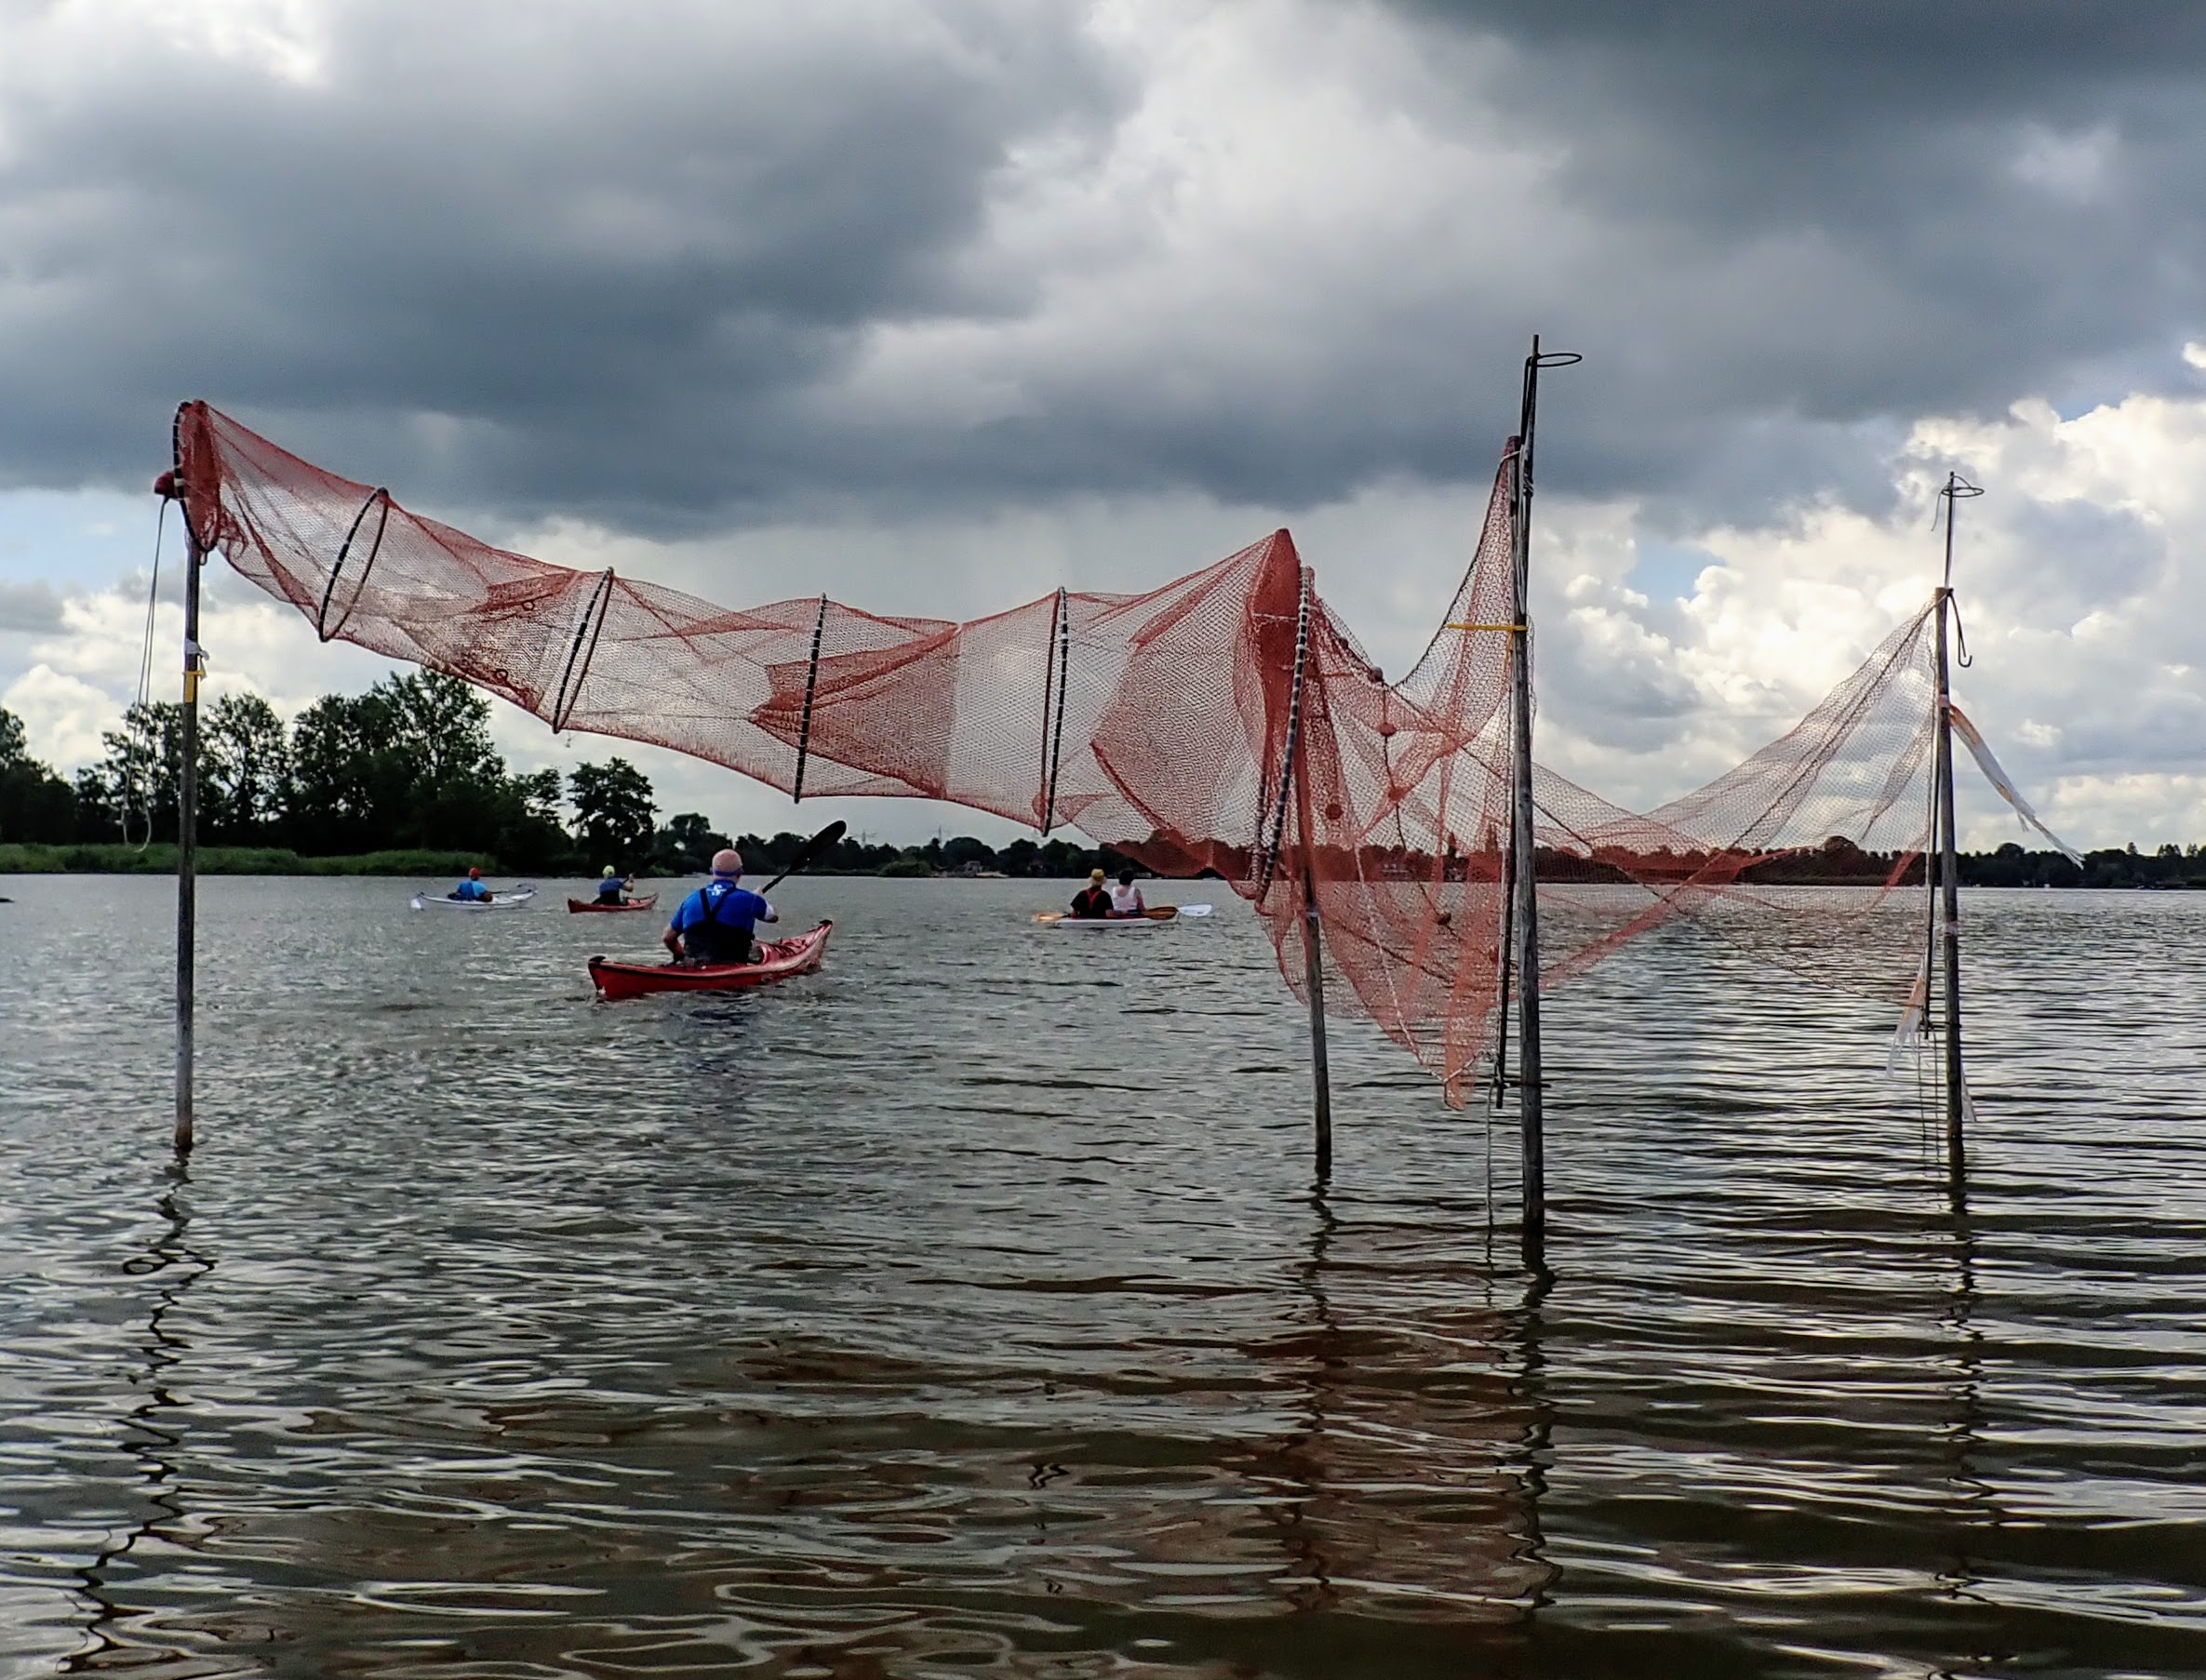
(233, 860)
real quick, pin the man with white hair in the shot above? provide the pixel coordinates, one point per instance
(713, 923)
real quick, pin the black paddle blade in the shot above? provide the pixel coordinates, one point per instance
(817, 846)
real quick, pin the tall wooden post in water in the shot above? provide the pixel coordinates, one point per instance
(1523, 846)
(1949, 896)
(187, 823)
(1297, 759)
(1314, 982)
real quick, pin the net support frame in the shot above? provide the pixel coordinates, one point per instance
(1288, 753)
(1531, 1111)
(187, 812)
(571, 679)
(1313, 984)
(1053, 688)
(378, 498)
(1949, 917)
(811, 685)
(454, 605)
(1957, 488)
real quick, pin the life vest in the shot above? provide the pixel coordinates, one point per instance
(715, 936)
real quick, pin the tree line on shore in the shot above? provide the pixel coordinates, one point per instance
(409, 768)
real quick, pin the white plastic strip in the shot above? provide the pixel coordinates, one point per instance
(2002, 783)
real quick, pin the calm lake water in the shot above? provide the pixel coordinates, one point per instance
(966, 1308)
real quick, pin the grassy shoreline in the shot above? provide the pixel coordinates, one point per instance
(114, 860)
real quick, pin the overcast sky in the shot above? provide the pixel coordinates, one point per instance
(939, 304)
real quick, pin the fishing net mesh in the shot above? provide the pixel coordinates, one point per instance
(1225, 721)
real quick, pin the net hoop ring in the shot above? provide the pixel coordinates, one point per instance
(378, 503)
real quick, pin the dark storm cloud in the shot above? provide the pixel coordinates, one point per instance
(530, 260)
(2002, 195)
(596, 255)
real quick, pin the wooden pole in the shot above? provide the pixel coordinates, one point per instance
(1294, 785)
(1949, 911)
(1298, 760)
(1524, 844)
(1314, 982)
(1949, 898)
(187, 834)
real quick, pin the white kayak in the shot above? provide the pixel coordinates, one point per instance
(1155, 916)
(515, 899)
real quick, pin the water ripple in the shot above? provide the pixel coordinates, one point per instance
(965, 1308)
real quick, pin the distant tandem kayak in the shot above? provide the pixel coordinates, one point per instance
(599, 907)
(783, 959)
(497, 900)
(1148, 918)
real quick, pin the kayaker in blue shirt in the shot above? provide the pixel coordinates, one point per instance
(612, 886)
(472, 890)
(713, 923)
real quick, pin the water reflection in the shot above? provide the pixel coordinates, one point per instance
(153, 1433)
(968, 1309)
(1961, 1437)
(1408, 1487)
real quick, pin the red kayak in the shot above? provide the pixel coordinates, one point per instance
(582, 906)
(783, 958)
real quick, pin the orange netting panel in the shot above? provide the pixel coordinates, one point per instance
(1224, 721)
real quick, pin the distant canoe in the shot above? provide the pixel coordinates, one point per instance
(599, 907)
(515, 900)
(1148, 918)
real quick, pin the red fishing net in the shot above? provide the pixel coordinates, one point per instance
(1224, 721)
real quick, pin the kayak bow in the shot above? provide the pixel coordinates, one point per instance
(783, 958)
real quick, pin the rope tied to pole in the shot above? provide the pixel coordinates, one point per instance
(134, 786)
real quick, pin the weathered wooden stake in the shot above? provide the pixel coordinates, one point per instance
(1950, 895)
(1524, 844)
(1294, 783)
(187, 834)
(1314, 982)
